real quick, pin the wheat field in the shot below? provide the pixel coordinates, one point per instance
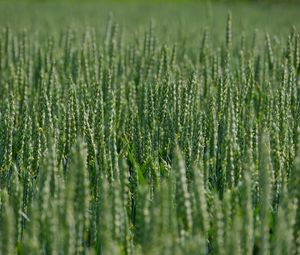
(132, 128)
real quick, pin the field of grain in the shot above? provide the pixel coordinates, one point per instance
(129, 128)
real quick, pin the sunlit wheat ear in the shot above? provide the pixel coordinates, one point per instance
(184, 203)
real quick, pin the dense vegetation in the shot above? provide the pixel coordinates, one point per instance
(130, 143)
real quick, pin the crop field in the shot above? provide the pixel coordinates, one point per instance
(159, 129)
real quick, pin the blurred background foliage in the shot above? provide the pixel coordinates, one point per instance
(159, 1)
(172, 17)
